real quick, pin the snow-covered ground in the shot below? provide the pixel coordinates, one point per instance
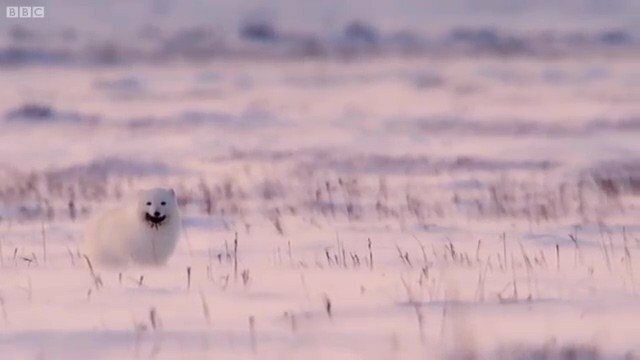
(378, 207)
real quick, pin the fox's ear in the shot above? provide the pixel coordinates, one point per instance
(173, 192)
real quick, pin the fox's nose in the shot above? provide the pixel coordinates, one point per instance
(156, 214)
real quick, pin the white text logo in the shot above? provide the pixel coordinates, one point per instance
(25, 11)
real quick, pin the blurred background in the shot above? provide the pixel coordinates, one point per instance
(110, 32)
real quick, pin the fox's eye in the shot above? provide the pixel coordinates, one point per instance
(148, 203)
(163, 203)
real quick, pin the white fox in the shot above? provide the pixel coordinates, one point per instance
(142, 233)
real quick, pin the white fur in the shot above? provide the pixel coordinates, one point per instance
(124, 236)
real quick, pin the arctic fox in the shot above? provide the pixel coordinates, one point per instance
(142, 233)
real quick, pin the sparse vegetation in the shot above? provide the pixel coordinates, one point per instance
(477, 226)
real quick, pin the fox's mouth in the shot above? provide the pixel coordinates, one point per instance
(154, 221)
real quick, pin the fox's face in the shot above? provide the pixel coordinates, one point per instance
(157, 206)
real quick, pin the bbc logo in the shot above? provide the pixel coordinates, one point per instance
(25, 11)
